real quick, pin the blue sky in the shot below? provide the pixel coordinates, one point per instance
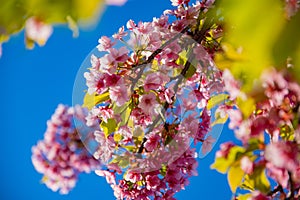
(34, 82)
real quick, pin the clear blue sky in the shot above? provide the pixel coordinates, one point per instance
(34, 82)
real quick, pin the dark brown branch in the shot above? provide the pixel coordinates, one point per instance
(154, 54)
(277, 189)
(292, 189)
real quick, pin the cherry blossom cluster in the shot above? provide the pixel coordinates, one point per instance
(271, 133)
(61, 155)
(151, 98)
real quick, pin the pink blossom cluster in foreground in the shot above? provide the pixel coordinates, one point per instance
(61, 155)
(271, 132)
(152, 104)
(151, 108)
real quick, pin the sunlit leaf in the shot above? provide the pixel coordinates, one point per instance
(222, 164)
(257, 181)
(288, 43)
(90, 101)
(216, 100)
(235, 176)
(252, 27)
(246, 106)
(108, 127)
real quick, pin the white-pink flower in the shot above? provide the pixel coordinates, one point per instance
(38, 31)
(121, 33)
(155, 81)
(152, 141)
(105, 43)
(247, 165)
(110, 176)
(109, 62)
(95, 81)
(231, 85)
(148, 103)
(119, 94)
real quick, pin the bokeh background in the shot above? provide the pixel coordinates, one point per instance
(34, 82)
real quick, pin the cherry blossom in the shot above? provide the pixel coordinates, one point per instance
(61, 155)
(37, 30)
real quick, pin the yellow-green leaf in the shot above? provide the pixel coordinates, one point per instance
(249, 30)
(246, 106)
(216, 100)
(235, 176)
(90, 101)
(222, 164)
(117, 137)
(108, 127)
(257, 181)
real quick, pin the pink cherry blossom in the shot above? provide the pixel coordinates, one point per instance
(95, 82)
(37, 30)
(155, 81)
(108, 63)
(105, 44)
(105, 149)
(247, 165)
(152, 141)
(131, 25)
(148, 103)
(283, 155)
(224, 150)
(231, 85)
(110, 176)
(61, 156)
(95, 62)
(112, 80)
(278, 174)
(119, 94)
(121, 33)
(178, 2)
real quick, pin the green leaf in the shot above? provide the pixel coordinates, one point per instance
(124, 111)
(190, 72)
(124, 162)
(130, 148)
(138, 135)
(235, 176)
(249, 30)
(216, 100)
(288, 42)
(90, 101)
(222, 164)
(246, 106)
(257, 181)
(108, 127)
(121, 161)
